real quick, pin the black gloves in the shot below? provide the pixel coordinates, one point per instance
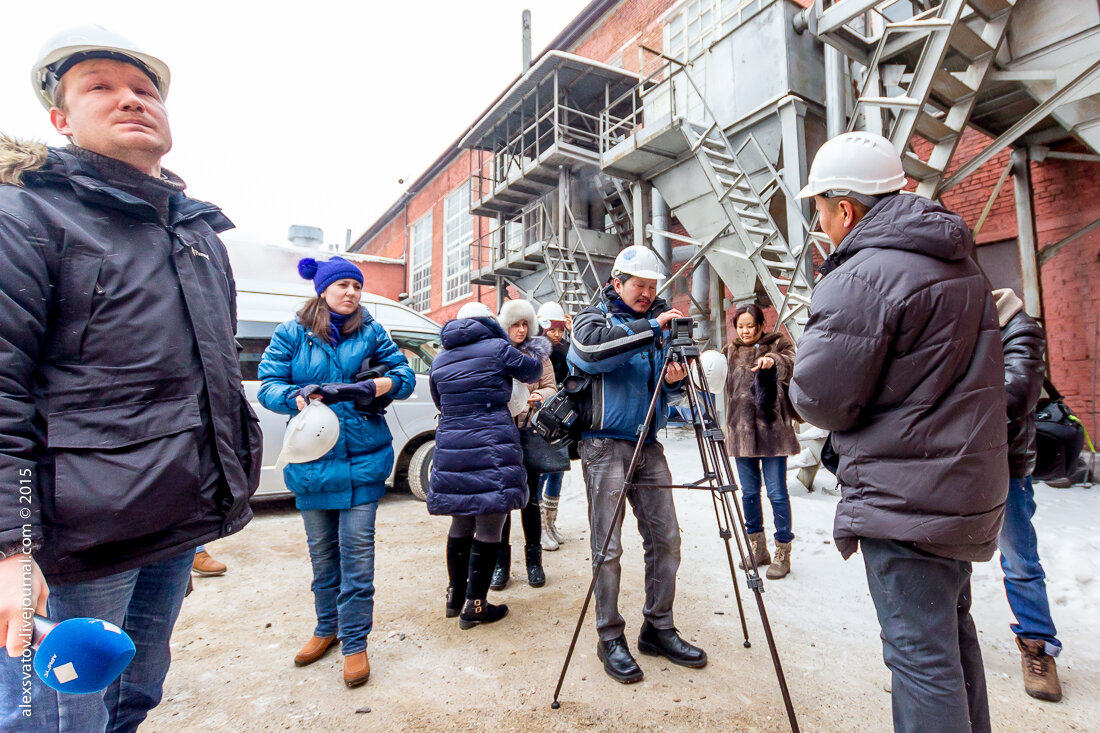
(362, 393)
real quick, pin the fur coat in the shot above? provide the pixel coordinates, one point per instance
(758, 413)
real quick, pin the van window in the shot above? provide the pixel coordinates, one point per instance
(419, 348)
(250, 356)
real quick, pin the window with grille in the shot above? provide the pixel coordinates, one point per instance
(458, 231)
(688, 33)
(420, 264)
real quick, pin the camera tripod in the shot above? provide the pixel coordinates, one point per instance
(718, 479)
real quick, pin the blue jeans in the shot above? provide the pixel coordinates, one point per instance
(145, 602)
(552, 484)
(775, 476)
(1025, 581)
(341, 548)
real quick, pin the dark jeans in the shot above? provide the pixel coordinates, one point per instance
(775, 477)
(1025, 581)
(928, 638)
(552, 484)
(341, 548)
(145, 602)
(530, 516)
(605, 462)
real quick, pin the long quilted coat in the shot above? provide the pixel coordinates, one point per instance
(902, 360)
(478, 464)
(354, 472)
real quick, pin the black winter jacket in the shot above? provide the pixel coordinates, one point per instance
(1025, 368)
(901, 359)
(120, 389)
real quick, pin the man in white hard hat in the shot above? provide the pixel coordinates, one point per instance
(902, 360)
(619, 342)
(121, 409)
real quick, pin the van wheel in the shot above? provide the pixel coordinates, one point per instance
(420, 470)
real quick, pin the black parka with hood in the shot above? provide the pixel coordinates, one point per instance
(901, 359)
(125, 434)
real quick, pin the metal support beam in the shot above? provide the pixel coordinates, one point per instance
(992, 199)
(1020, 128)
(1048, 252)
(1026, 235)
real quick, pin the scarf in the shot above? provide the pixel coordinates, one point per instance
(335, 327)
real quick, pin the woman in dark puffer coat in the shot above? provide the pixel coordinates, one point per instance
(478, 475)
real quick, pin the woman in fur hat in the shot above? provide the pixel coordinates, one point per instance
(517, 318)
(759, 432)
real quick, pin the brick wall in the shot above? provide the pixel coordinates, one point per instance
(1067, 197)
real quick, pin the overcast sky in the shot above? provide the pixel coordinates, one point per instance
(299, 112)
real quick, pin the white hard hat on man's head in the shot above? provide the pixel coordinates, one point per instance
(637, 261)
(855, 162)
(73, 45)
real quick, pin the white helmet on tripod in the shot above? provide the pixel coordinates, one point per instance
(309, 435)
(714, 371)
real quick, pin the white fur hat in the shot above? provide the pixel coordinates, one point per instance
(514, 311)
(474, 309)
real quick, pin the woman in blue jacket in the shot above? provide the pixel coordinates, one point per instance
(316, 356)
(478, 475)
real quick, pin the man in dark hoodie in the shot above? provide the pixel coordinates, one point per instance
(902, 360)
(1025, 581)
(121, 408)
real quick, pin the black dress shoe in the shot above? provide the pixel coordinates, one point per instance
(618, 662)
(668, 644)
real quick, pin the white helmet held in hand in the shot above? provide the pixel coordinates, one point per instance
(714, 370)
(309, 435)
(517, 403)
(637, 261)
(549, 313)
(73, 45)
(855, 162)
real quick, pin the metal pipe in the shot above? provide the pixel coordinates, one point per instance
(1026, 235)
(662, 245)
(526, 40)
(835, 118)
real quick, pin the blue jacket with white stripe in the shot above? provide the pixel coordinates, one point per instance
(624, 352)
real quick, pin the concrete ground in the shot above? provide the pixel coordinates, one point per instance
(234, 643)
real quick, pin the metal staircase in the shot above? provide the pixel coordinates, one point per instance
(926, 72)
(618, 205)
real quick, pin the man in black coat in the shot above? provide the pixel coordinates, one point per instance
(902, 360)
(125, 436)
(1025, 581)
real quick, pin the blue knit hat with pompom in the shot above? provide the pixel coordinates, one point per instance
(326, 272)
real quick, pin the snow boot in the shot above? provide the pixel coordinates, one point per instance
(477, 610)
(549, 509)
(535, 575)
(782, 564)
(1040, 671)
(758, 546)
(458, 570)
(503, 569)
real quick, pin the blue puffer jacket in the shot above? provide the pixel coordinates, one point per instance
(624, 351)
(354, 472)
(478, 464)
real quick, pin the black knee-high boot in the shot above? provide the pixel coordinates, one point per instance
(503, 569)
(477, 610)
(458, 569)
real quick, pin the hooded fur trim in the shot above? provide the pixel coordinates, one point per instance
(1008, 305)
(514, 311)
(19, 156)
(537, 346)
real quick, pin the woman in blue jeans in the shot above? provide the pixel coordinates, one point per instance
(317, 356)
(759, 433)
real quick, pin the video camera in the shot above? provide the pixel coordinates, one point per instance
(680, 330)
(566, 414)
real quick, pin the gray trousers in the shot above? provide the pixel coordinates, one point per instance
(928, 638)
(605, 462)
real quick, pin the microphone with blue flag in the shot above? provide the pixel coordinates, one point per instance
(80, 655)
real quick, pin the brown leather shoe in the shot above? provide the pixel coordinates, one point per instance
(206, 565)
(356, 669)
(1040, 671)
(315, 648)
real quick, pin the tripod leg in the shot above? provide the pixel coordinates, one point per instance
(725, 533)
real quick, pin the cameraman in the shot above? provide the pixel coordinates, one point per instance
(618, 341)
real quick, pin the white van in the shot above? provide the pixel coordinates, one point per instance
(262, 305)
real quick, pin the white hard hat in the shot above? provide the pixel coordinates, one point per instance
(475, 309)
(714, 370)
(517, 403)
(73, 45)
(855, 162)
(550, 312)
(637, 261)
(309, 435)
